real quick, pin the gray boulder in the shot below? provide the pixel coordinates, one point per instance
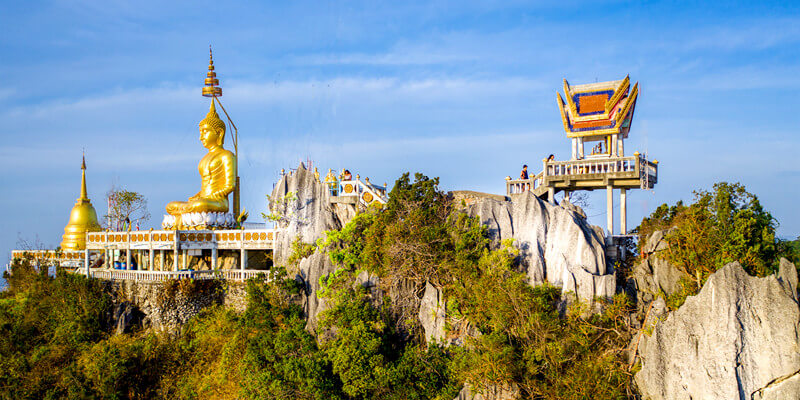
(556, 244)
(653, 275)
(737, 339)
(432, 314)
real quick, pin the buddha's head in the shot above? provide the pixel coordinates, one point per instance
(212, 129)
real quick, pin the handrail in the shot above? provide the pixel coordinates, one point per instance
(162, 276)
(515, 186)
(636, 167)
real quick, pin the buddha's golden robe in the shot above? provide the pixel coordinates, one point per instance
(218, 172)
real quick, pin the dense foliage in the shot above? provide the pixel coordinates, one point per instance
(57, 340)
(723, 225)
(514, 334)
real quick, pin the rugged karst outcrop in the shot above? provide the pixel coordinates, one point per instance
(556, 243)
(739, 338)
(432, 314)
(305, 210)
(653, 275)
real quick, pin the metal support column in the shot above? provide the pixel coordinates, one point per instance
(610, 209)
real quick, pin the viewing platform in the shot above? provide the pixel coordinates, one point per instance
(633, 172)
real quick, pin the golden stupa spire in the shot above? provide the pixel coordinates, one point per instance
(211, 89)
(82, 219)
(84, 195)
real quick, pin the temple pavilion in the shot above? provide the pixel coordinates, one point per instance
(598, 115)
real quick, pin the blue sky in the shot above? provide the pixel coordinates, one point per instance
(461, 90)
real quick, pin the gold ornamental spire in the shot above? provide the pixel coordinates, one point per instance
(84, 195)
(211, 89)
(82, 219)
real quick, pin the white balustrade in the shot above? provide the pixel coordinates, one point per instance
(163, 276)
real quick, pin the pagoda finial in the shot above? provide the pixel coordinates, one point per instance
(84, 194)
(211, 88)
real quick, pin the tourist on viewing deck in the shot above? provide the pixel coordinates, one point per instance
(524, 175)
(347, 176)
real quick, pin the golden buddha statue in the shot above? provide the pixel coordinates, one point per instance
(217, 170)
(82, 219)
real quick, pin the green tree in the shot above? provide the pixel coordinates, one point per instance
(723, 225)
(125, 207)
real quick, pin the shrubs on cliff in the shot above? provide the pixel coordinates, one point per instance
(45, 323)
(723, 225)
(523, 341)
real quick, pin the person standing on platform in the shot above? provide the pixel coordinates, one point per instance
(524, 176)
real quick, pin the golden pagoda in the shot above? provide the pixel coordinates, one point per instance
(82, 219)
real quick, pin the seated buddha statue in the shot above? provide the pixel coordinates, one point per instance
(217, 171)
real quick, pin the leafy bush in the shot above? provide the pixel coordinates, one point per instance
(723, 225)
(525, 343)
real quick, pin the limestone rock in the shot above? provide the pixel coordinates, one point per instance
(307, 214)
(731, 341)
(783, 388)
(126, 316)
(432, 314)
(556, 244)
(506, 392)
(655, 275)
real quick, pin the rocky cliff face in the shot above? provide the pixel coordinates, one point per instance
(306, 213)
(556, 243)
(653, 275)
(168, 306)
(737, 339)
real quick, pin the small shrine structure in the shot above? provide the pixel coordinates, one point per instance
(598, 114)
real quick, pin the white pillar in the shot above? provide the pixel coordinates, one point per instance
(623, 210)
(613, 150)
(551, 194)
(86, 260)
(574, 148)
(581, 151)
(128, 258)
(161, 260)
(610, 209)
(175, 257)
(243, 259)
(214, 257)
(621, 147)
(151, 259)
